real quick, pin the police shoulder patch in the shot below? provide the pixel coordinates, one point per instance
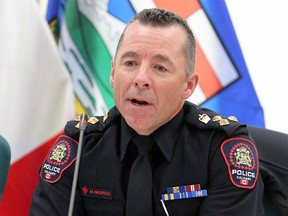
(62, 154)
(241, 157)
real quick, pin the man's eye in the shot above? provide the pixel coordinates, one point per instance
(160, 68)
(130, 63)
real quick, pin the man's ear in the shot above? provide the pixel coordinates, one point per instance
(112, 74)
(191, 84)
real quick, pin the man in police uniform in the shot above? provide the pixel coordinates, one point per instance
(202, 163)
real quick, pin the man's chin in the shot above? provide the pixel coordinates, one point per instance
(140, 125)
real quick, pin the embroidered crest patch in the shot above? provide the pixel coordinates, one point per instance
(241, 158)
(62, 154)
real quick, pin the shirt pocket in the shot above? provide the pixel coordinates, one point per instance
(183, 207)
(100, 207)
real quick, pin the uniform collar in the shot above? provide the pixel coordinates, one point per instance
(165, 136)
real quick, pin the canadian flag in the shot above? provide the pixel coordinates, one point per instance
(36, 98)
(244, 182)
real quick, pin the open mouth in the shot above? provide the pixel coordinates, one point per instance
(138, 102)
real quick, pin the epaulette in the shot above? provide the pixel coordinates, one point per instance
(206, 119)
(95, 124)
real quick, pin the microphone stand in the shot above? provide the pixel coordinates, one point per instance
(82, 127)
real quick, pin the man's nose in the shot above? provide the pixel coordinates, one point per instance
(143, 78)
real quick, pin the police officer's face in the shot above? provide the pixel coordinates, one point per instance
(148, 76)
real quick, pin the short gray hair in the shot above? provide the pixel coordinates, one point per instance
(157, 17)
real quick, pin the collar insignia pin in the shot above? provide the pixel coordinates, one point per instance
(204, 118)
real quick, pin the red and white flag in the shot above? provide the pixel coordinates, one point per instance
(36, 98)
(243, 182)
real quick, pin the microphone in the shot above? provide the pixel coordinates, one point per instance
(82, 127)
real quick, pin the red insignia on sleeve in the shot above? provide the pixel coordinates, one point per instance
(62, 154)
(241, 157)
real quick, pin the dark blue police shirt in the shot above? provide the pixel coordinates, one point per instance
(187, 151)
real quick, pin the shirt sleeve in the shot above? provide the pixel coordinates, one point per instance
(235, 186)
(52, 195)
(52, 199)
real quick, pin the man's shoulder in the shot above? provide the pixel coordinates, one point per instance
(95, 124)
(206, 119)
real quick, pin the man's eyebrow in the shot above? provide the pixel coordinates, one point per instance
(162, 57)
(128, 54)
(158, 57)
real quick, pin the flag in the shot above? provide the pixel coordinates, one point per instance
(239, 97)
(88, 39)
(244, 182)
(36, 97)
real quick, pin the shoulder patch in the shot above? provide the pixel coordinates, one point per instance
(62, 154)
(241, 157)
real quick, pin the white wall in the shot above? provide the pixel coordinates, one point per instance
(262, 30)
